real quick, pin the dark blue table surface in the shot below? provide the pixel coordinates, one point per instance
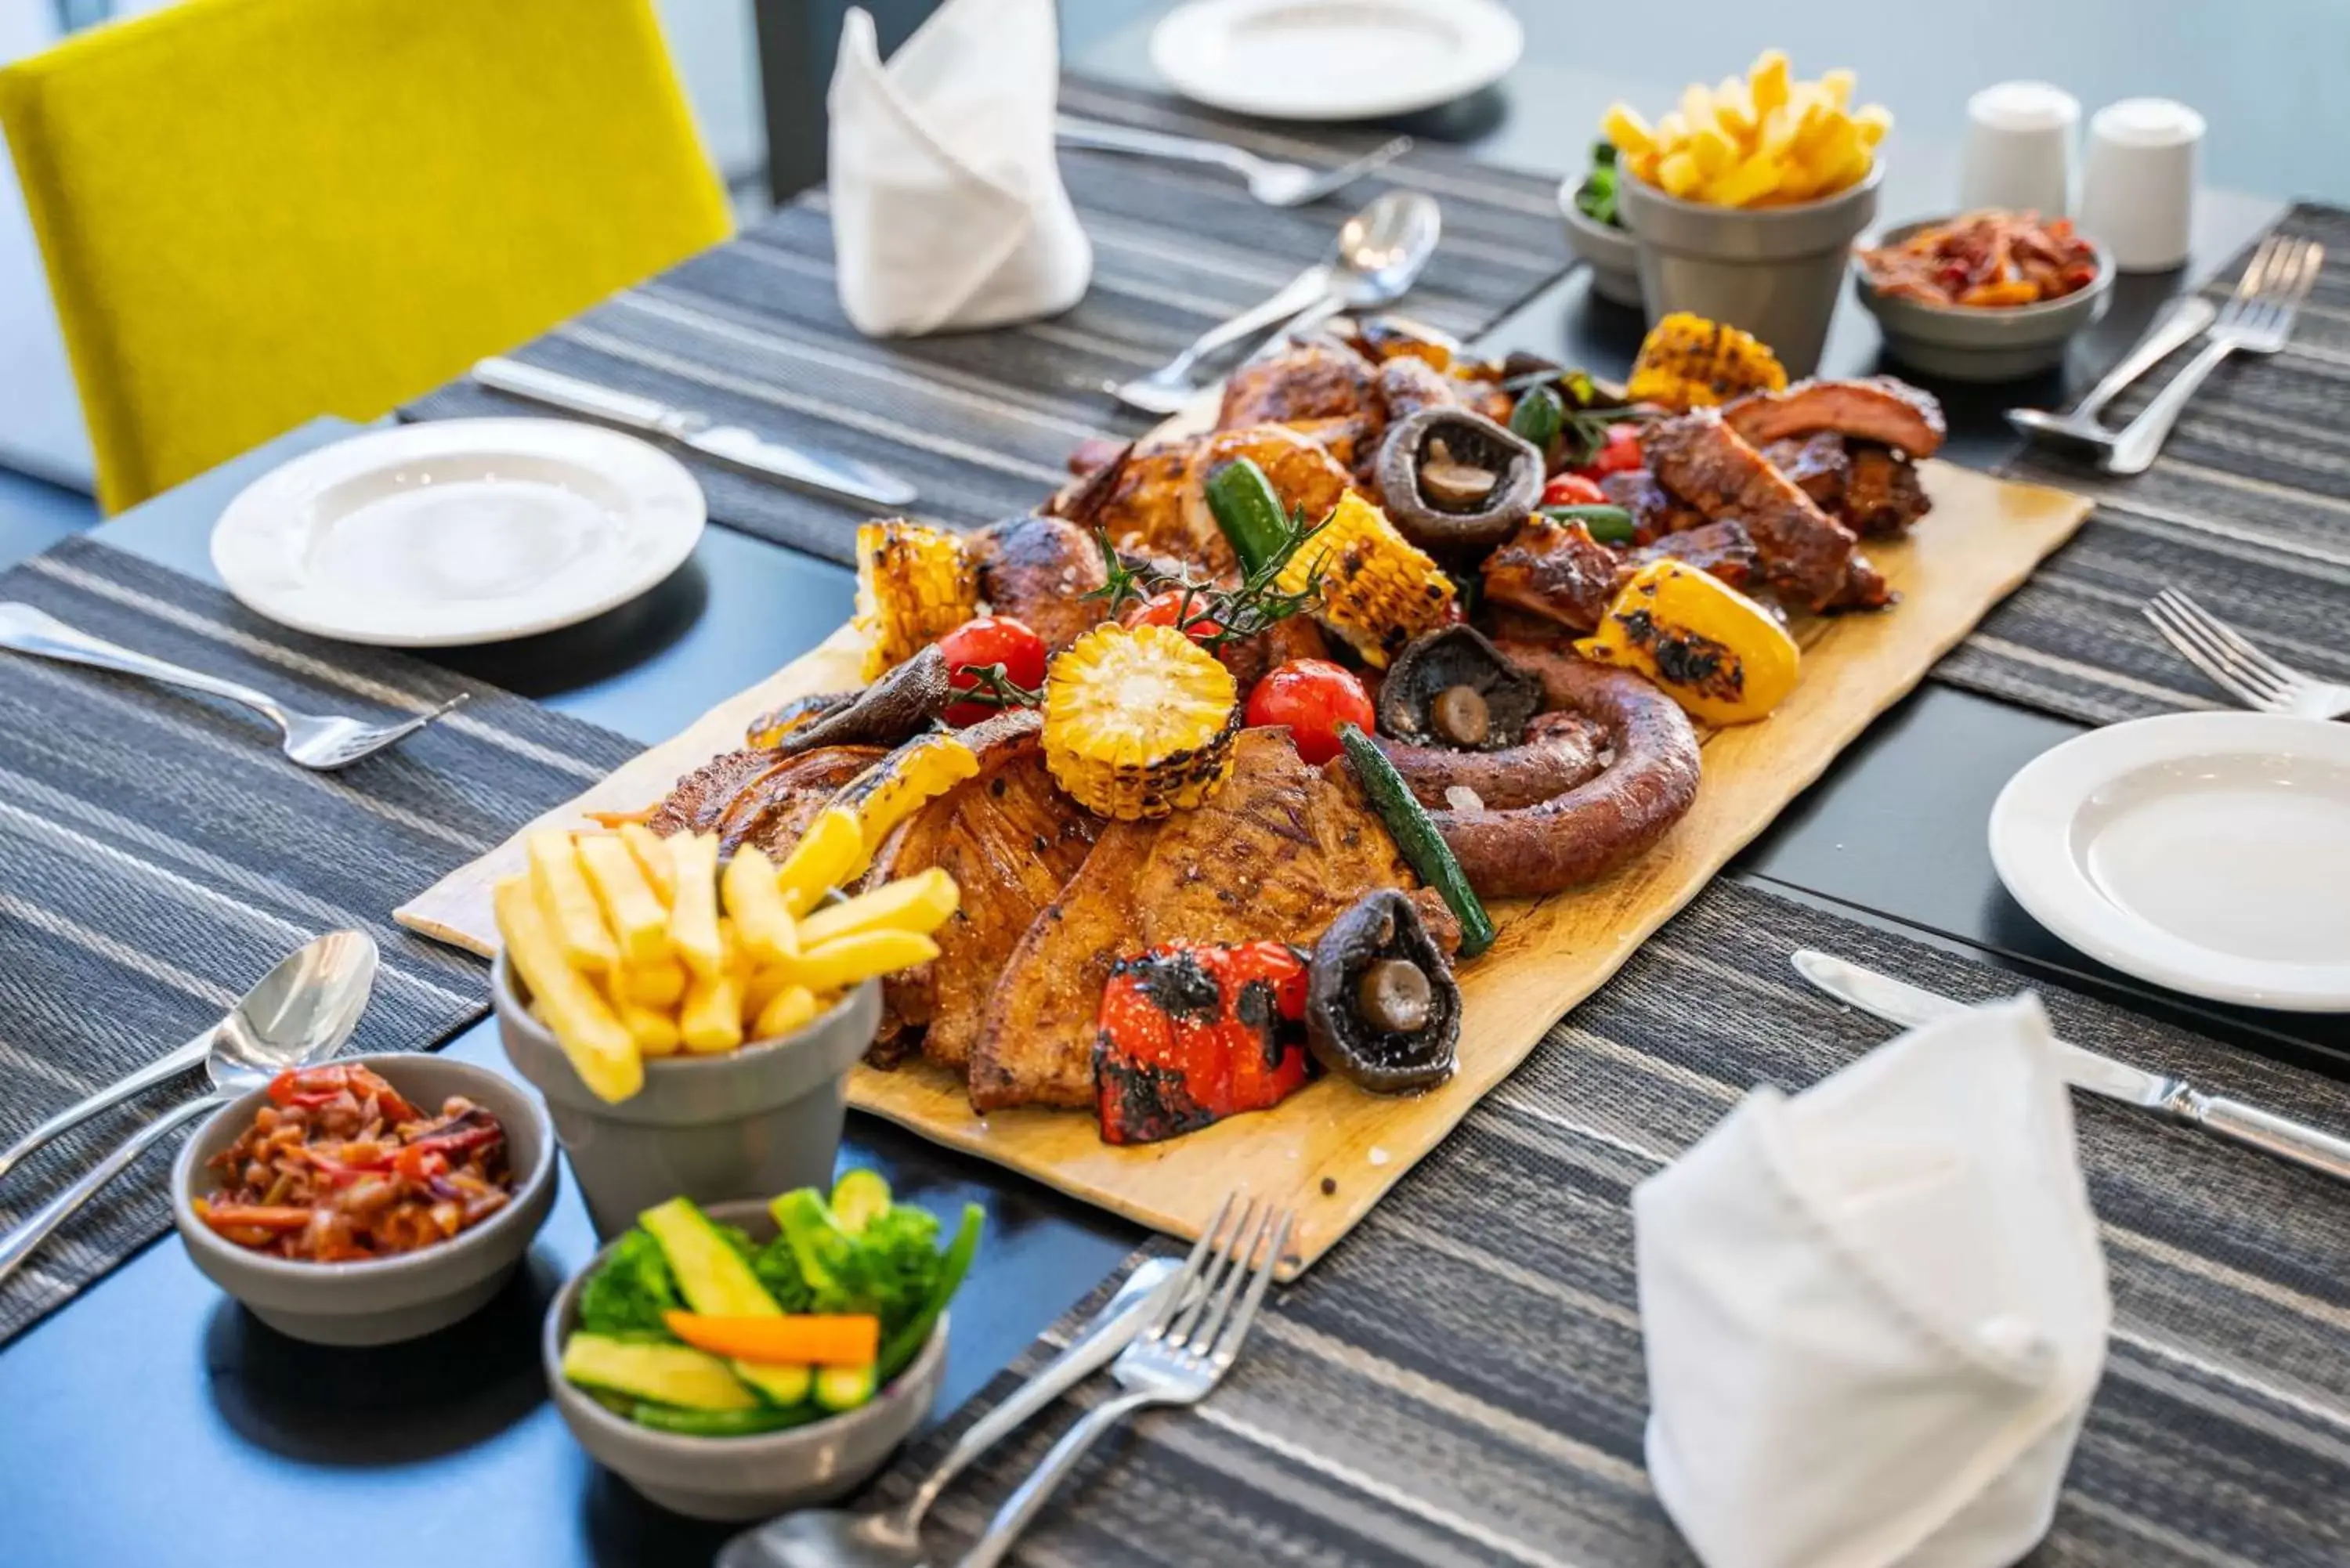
(151, 1422)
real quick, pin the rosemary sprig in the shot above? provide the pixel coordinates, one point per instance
(1211, 613)
(992, 687)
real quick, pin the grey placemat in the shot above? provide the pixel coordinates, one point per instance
(751, 332)
(2247, 509)
(158, 855)
(1460, 1381)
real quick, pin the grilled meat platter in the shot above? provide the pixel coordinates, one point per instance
(1228, 743)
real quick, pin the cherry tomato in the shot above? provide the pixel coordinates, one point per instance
(985, 640)
(1620, 453)
(1165, 609)
(1573, 489)
(1313, 696)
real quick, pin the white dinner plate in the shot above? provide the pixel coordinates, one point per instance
(1334, 59)
(2207, 852)
(458, 531)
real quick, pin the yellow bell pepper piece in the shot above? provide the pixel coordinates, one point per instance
(1716, 652)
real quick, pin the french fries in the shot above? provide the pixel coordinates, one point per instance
(629, 946)
(1766, 142)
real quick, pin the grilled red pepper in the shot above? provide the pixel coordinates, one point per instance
(1191, 1034)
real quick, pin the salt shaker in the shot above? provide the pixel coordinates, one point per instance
(2019, 149)
(2137, 192)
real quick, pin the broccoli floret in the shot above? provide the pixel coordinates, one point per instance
(627, 1296)
(888, 1269)
(779, 1270)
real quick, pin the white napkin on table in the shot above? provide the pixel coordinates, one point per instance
(1875, 1313)
(947, 210)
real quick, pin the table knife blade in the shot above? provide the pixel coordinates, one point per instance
(1897, 1001)
(825, 472)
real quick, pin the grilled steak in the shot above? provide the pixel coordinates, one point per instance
(1037, 570)
(1882, 496)
(1817, 463)
(759, 797)
(1878, 408)
(1656, 510)
(1274, 855)
(1010, 838)
(1806, 554)
(1555, 570)
(1310, 381)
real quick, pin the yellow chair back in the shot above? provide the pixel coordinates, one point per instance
(255, 212)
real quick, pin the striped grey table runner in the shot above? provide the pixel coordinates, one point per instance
(158, 855)
(2247, 509)
(751, 332)
(1461, 1383)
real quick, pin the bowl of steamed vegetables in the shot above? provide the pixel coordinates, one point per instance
(1595, 232)
(740, 1360)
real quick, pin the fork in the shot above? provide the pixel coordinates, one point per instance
(2246, 673)
(1178, 1360)
(320, 743)
(2257, 320)
(1274, 183)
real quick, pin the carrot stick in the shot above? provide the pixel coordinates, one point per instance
(251, 1216)
(798, 1339)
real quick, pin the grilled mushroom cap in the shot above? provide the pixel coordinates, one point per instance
(892, 709)
(1455, 482)
(1453, 688)
(1381, 1007)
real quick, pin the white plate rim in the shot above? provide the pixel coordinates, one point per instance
(2030, 826)
(1495, 41)
(662, 489)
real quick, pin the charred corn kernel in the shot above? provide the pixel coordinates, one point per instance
(1734, 106)
(1872, 120)
(1746, 183)
(1380, 590)
(1139, 722)
(1838, 84)
(888, 793)
(914, 585)
(1687, 362)
(1678, 172)
(1623, 126)
(1767, 82)
(1716, 652)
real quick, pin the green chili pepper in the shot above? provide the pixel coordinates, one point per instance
(1417, 835)
(1609, 524)
(1248, 509)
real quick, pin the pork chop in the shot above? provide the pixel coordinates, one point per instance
(1275, 854)
(759, 797)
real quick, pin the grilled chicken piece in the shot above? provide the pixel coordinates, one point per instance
(1806, 554)
(1010, 838)
(1310, 381)
(759, 797)
(1407, 384)
(1883, 496)
(1877, 408)
(1656, 510)
(1302, 474)
(1352, 440)
(1141, 504)
(1037, 570)
(1819, 465)
(1275, 854)
(1722, 549)
(1555, 570)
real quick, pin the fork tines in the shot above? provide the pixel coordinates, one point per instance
(2274, 282)
(1203, 1324)
(2246, 673)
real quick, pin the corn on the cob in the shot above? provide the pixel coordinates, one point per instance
(1380, 590)
(1139, 722)
(1688, 362)
(914, 585)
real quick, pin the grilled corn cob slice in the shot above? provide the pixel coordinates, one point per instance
(914, 585)
(1139, 722)
(1688, 362)
(1380, 590)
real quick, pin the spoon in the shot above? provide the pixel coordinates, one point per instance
(836, 1538)
(1379, 254)
(299, 1013)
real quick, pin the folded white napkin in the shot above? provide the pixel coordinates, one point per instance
(1875, 1313)
(948, 209)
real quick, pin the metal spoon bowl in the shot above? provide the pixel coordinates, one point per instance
(299, 1013)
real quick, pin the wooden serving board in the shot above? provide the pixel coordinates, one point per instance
(1331, 1149)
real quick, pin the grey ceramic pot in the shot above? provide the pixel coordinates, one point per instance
(1967, 343)
(1614, 260)
(742, 1477)
(758, 1121)
(1777, 272)
(386, 1299)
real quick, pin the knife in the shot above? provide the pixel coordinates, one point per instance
(821, 472)
(2175, 1098)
